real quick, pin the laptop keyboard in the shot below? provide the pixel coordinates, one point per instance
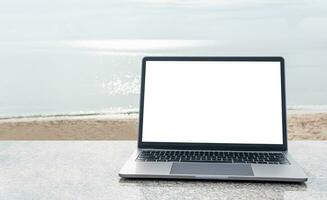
(212, 157)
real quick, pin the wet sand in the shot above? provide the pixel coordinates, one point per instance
(301, 126)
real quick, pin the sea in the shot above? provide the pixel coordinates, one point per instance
(69, 57)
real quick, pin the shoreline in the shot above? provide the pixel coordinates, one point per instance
(133, 113)
(301, 126)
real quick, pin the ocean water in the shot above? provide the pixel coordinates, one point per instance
(84, 57)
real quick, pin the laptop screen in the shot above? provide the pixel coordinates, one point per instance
(235, 102)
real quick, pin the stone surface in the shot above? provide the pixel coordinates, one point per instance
(89, 170)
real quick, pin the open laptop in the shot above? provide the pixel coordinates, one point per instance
(218, 118)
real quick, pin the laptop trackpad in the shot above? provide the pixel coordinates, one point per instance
(212, 169)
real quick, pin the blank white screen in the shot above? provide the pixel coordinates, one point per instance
(213, 102)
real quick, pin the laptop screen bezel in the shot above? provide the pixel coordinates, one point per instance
(214, 146)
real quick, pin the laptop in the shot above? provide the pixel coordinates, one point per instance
(218, 118)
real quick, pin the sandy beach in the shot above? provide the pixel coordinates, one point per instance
(301, 126)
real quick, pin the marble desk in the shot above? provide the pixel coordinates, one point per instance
(89, 170)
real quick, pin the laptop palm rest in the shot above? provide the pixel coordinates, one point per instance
(212, 169)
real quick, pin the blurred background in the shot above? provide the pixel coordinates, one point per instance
(74, 57)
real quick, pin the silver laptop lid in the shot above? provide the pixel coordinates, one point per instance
(232, 103)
